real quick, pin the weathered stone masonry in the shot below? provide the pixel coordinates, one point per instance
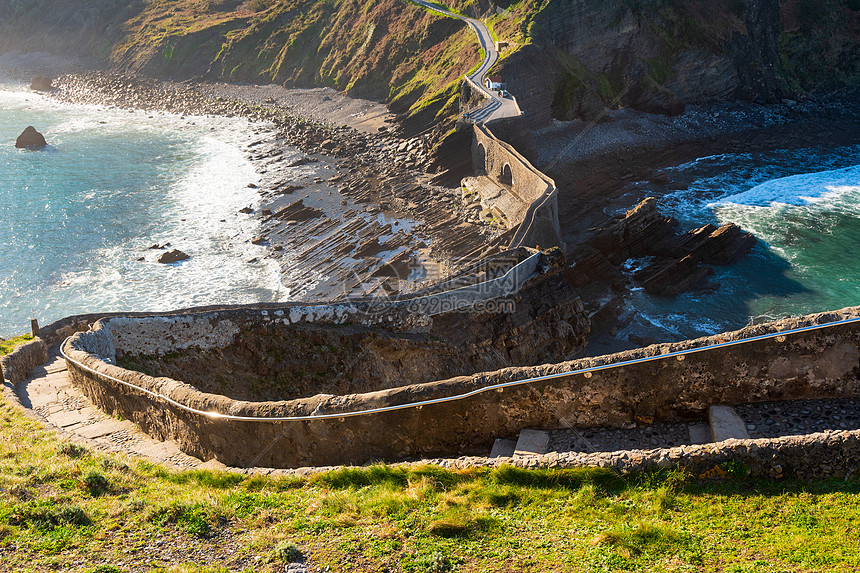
(16, 366)
(818, 363)
(526, 197)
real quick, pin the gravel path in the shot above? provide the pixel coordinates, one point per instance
(775, 419)
(665, 435)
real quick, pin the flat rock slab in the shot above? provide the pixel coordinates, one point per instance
(212, 465)
(503, 448)
(64, 419)
(726, 424)
(103, 428)
(700, 434)
(157, 450)
(532, 442)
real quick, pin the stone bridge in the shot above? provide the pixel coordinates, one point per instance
(516, 193)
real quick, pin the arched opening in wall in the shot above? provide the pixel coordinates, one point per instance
(481, 160)
(506, 177)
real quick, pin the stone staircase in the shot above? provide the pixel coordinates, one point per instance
(766, 419)
(49, 393)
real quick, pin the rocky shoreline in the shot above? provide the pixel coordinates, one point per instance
(346, 210)
(604, 162)
(341, 174)
(604, 170)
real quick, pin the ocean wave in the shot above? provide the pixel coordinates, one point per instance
(76, 221)
(822, 188)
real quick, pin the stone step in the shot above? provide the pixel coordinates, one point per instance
(50, 392)
(503, 448)
(726, 424)
(532, 442)
(103, 427)
(701, 434)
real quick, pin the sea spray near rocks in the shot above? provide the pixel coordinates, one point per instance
(74, 223)
(802, 205)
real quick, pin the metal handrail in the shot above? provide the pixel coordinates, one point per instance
(493, 387)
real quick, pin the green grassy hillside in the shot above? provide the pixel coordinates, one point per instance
(654, 55)
(389, 49)
(64, 507)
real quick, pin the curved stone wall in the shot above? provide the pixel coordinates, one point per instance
(516, 265)
(16, 366)
(527, 198)
(819, 363)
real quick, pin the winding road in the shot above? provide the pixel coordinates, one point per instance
(496, 107)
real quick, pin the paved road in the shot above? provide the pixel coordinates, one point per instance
(496, 106)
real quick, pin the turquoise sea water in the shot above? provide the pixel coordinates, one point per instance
(75, 218)
(804, 207)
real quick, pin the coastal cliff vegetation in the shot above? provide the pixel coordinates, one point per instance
(389, 50)
(564, 59)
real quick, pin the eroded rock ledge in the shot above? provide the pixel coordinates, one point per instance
(679, 261)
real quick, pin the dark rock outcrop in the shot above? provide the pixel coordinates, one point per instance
(678, 259)
(453, 157)
(708, 244)
(631, 236)
(635, 234)
(671, 277)
(677, 267)
(173, 256)
(297, 212)
(41, 84)
(30, 139)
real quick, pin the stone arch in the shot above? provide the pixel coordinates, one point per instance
(506, 177)
(481, 159)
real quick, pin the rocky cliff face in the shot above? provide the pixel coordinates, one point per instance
(568, 58)
(388, 50)
(659, 55)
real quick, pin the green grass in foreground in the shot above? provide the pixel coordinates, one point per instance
(65, 508)
(8, 345)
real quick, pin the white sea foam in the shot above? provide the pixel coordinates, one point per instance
(822, 188)
(74, 220)
(808, 226)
